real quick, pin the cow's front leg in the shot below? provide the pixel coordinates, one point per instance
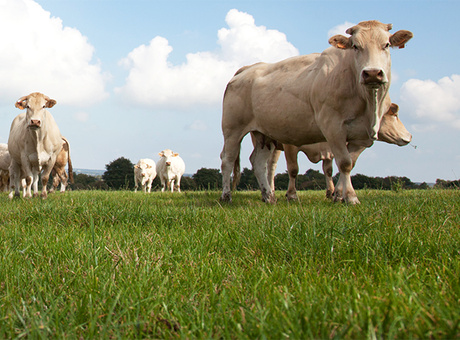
(344, 189)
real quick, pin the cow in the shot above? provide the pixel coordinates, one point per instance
(34, 144)
(5, 161)
(336, 98)
(391, 131)
(58, 173)
(170, 168)
(144, 173)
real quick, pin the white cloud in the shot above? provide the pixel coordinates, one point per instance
(201, 80)
(340, 29)
(434, 102)
(40, 54)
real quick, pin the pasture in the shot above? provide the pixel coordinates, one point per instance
(93, 264)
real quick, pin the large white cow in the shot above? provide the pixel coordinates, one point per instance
(170, 168)
(337, 98)
(391, 131)
(144, 173)
(34, 144)
(58, 173)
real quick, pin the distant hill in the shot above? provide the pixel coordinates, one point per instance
(96, 173)
(90, 172)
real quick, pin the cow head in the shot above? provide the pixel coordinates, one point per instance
(36, 105)
(142, 167)
(392, 130)
(168, 154)
(370, 42)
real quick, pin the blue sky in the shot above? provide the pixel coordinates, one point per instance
(134, 77)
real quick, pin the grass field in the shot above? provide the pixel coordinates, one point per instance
(93, 264)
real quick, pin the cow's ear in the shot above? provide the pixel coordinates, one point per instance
(340, 41)
(394, 108)
(50, 103)
(175, 154)
(136, 166)
(161, 154)
(21, 103)
(400, 38)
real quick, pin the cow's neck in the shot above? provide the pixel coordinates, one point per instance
(38, 145)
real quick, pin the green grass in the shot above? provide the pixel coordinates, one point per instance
(94, 264)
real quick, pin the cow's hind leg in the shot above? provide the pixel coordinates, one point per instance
(327, 170)
(15, 179)
(290, 153)
(263, 150)
(229, 156)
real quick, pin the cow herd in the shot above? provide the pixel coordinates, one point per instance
(36, 148)
(333, 104)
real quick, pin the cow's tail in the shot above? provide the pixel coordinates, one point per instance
(69, 163)
(236, 172)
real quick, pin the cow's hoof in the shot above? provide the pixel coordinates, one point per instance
(291, 197)
(329, 194)
(270, 198)
(226, 197)
(351, 200)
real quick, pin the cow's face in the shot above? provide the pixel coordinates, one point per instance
(36, 105)
(392, 130)
(370, 43)
(143, 168)
(168, 155)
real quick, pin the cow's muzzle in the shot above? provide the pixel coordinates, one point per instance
(373, 77)
(35, 123)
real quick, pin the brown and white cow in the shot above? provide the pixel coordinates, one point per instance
(338, 98)
(391, 131)
(34, 144)
(58, 173)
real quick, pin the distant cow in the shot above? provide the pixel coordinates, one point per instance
(34, 144)
(170, 168)
(335, 97)
(5, 161)
(58, 173)
(144, 173)
(391, 131)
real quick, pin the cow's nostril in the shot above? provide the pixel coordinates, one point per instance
(373, 76)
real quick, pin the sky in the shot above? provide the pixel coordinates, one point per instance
(134, 77)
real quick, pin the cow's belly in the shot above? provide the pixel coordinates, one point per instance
(289, 128)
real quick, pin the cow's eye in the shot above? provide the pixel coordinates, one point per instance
(387, 46)
(354, 47)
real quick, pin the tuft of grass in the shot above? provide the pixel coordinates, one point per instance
(92, 264)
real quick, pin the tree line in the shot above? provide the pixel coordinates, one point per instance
(119, 175)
